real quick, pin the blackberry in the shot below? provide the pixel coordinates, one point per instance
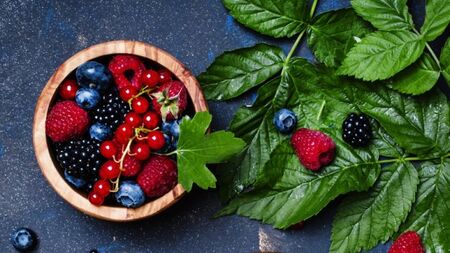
(356, 130)
(111, 112)
(80, 158)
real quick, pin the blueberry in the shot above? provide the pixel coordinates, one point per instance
(285, 121)
(76, 182)
(23, 239)
(130, 194)
(87, 98)
(99, 132)
(172, 127)
(94, 75)
(93, 251)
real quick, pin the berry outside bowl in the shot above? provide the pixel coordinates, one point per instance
(48, 163)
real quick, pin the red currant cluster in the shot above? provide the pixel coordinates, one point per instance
(134, 140)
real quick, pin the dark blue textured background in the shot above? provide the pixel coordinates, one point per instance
(36, 37)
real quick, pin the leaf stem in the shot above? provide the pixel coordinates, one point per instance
(430, 50)
(293, 48)
(313, 8)
(413, 158)
(435, 58)
(321, 110)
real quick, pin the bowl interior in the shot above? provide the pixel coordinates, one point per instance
(44, 154)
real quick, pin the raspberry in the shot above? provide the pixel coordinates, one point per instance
(131, 166)
(408, 242)
(121, 65)
(66, 121)
(356, 130)
(158, 176)
(314, 148)
(172, 96)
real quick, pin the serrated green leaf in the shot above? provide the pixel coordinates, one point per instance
(381, 55)
(437, 17)
(420, 124)
(416, 79)
(333, 33)
(384, 143)
(237, 71)
(260, 135)
(445, 61)
(365, 219)
(296, 193)
(430, 213)
(276, 18)
(386, 15)
(195, 150)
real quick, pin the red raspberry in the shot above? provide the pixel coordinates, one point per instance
(66, 121)
(314, 148)
(158, 177)
(126, 63)
(173, 96)
(408, 242)
(131, 166)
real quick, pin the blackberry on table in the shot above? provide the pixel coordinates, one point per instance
(111, 112)
(356, 130)
(80, 158)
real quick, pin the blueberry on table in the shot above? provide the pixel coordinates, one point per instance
(93, 251)
(87, 98)
(23, 239)
(356, 130)
(130, 194)
(94, 75)
(99, 132)
(285, 121)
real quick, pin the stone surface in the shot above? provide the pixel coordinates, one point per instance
(35, 37)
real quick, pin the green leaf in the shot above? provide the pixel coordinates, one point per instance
(445, 61)
(430, 213)
(384, 143)
(195, 150)
(255, 126)
(436, 19)
(276, 18)
(420, 124)
(386, 15)
(237, 71)
(417, 78)
(295, 193)
(381, 55)
(365, 219)
(332, 34)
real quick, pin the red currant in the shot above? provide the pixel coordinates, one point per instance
(155, 140)
(108, 149)
(109, 170)
(140, 105)
(142, 150)
(95, 198)
(68, 89)
(124, 132)
(133, 119)
(102, 187)
(126, 93)
(150, 78)
(151, 120)
(165, 75)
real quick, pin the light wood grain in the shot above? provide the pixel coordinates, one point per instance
(42, 152)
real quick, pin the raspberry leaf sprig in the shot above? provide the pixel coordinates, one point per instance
(265, 181)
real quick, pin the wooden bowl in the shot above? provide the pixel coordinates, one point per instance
(47, 163)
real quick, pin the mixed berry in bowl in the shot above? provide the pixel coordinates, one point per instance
(113, 126)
